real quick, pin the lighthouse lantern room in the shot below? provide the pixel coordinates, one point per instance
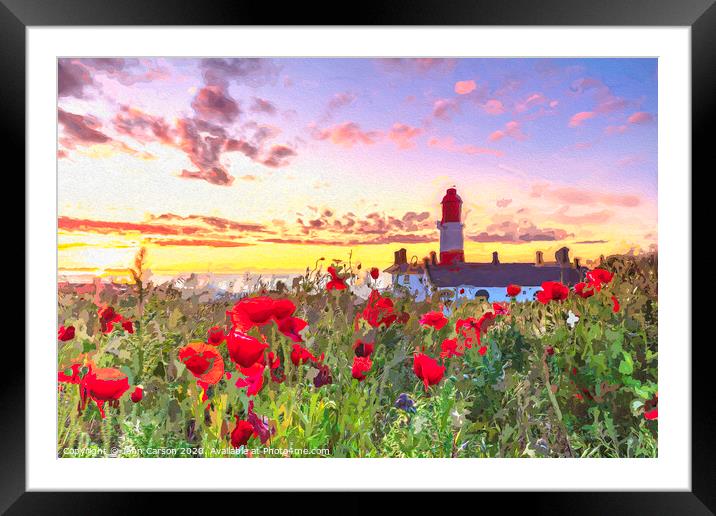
(450, 226)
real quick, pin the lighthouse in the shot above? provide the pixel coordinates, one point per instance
(451, 241)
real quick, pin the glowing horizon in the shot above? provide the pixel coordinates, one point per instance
(256, 165)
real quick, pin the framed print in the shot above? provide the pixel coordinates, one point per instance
(417, 252)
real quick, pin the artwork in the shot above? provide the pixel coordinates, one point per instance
(357, 257)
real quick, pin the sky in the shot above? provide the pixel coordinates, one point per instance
(266, 165)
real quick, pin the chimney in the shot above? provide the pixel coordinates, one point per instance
(577, 264)
(433, 258)
(539, 259)
(401, 256)
(562, 256)
(495, 258)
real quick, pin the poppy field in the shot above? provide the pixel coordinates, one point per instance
(314, 370)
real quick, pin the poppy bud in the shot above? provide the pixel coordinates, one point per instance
(137, 394)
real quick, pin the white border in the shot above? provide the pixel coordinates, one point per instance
(671, 471)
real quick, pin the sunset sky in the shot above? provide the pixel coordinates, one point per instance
(233, 165)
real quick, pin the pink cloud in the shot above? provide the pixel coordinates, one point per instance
(533, 100)
(402, 135)
(598, 217)
(580, 117)
(347, 134)
(615, 129)
(578, 196)
(444, 108)
(214, 103)
(494, 107)
(640, 117)
(448, 144)
(512, 129)
(465, 87)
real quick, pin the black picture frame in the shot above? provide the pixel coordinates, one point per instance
(700, 15)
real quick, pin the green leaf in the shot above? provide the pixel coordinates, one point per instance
(626, 366)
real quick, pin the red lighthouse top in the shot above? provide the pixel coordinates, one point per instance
(451, 206)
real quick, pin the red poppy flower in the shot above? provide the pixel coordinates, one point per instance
(252, 311)
(651, 414)
(427, 369)
(65, 334)
(107, 318)
(361, 366)
(275, 369)
(323, 377)
(378, 310)
(549, 350)
(283, 308)
(336, 282)
(262, 430)
(203, 361)
(363, 349)
(435, 319)
(482, 350)
(501, 309)
(216, 336)
(449, 348)
(599, 277)
(583, 290)
(137, 395)
(615, 304)
(301, 355)
(552, 291)
(291, 328)
(128, 326)
(254, 378)
(244, 350)
(513, 290)
(403, 317)
(468, 329)
(374, 273)
(242, 432)
(73, 377)
(103, 385)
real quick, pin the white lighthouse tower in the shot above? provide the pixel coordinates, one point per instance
(450, 226)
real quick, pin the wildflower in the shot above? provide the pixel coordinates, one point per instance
(323, 377)
(374, 273)
(253, 378)
(70, 375)
(405, 404)
(482, 350)
(242, 432)
(128, 325)
(615, 304)
(583, 290)
(275, 369)
(435, 319)
(651, 414)
(552, 291)
(449, 348)
(262, 430)
(252, 311)
(500, 309)
(137, 394)
(572, 319)
(513, 290)
(65, 334)
(203, 361)
(291, 328)
(599, 277)
(107, 318)
(549, 350)
(336, 282)
(244, 349)
(283, 308)
(216, 336)
(361, 365)
(301, 355)
(103, 385)
(378, 310)
(427, 369)
(363, 349)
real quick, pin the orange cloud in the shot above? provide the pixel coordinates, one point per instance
(512, 129)
(402, 135)
(640, 117)
(494, 107)
(347, 134)
(465, 87)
